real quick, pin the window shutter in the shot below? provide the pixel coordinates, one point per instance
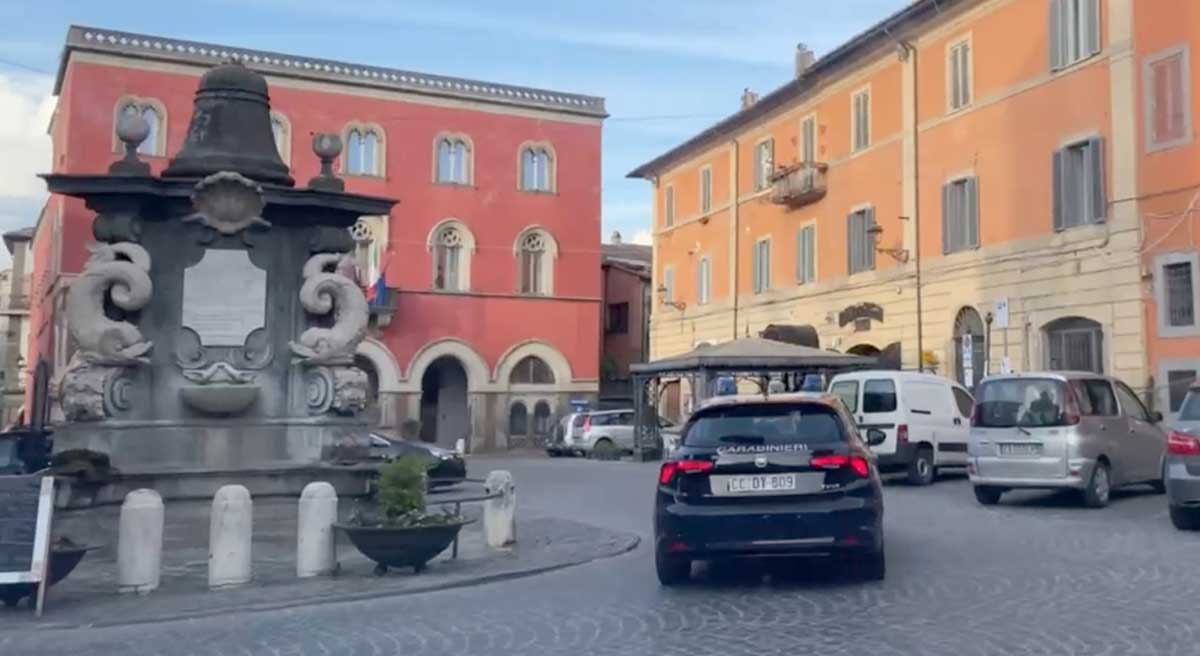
(947, 190)
(800, 257)
(870, 237)
(1059, 194)
(971, 228)
(1091, 26)
(1056, 40)
(757, 269)
(810, 252)
(851, 262)
(766, 274)
(1096, 179)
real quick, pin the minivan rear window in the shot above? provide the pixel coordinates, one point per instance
(1190, 410)
(879, 395)
(754, 424)
(1026, 402)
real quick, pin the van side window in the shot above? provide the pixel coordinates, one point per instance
(847, 391)
(1100, 395)
(1131, 404)
(965, 403)
(624, 419)
(1081, 395)
(879, 396)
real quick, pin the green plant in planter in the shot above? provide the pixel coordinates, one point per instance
(402, 485)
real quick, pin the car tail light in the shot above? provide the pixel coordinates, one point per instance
(858, 463)
(902, 434)
(1182, 444)
(671, 469)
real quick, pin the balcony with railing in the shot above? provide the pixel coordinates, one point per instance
(798, 184)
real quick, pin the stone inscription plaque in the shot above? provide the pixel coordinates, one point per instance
(224, 297)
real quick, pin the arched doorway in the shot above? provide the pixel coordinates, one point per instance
(444, 416)
(373, 412)
(1074, 344)
(867, 350)
(970, 348)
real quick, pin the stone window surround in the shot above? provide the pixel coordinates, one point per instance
(1160, 293)
(553, 177)
(1148, 97)
(285, 149)
(464, 262)
(456, 136)
(380, 150)
(854, 135)
(549, 257)
(816, 252)
(143, 102)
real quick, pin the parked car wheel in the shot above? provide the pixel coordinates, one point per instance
(920, 470)
(988, 495)
(1185, 519)
(1095, 495)
(671, 570)
(604, 449)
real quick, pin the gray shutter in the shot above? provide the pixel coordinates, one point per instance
(869, 242)
(1060, 178)
(766, 274)
(810, 253)
(800, 266)
(1096, 179)
(971, 212)
(947, 245)
(1091, 26)
(850, 246)
(1055, 41)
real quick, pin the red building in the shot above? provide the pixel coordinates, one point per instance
(486, 276)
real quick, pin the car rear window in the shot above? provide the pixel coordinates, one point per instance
(879, 395)
(1027, 402)
(1190, 410)
(765, 424)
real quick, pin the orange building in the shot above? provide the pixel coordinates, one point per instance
(966, 186)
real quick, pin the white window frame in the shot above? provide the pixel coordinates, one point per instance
(465, 254)
(1185, 90)
(546, 266)
(807, 280)
(762, 176)
(704, 281)
(379, 170)
(762, 274)
(1163, 396)
(967, 83)
(1165, 329)
(804, 144)
(1064, 15)
(669, 206)
(858, 140)
(669, 283)
(542, 147)
(705, 198)
(454, 139)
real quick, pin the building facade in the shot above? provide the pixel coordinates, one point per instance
(498, 220)
(966, 187)
(626, 283)
(14, 325)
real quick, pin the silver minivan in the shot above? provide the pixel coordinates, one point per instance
(1070, 430)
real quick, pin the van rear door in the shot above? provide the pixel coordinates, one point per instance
(880, 409)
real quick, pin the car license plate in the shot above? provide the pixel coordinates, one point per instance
(757, 484)
(1021, 449)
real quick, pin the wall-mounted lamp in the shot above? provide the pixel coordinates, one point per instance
(898, 254)
(662, 297)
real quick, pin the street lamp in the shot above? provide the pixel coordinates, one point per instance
(662, 294)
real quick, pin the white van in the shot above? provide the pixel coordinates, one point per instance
(927, 418)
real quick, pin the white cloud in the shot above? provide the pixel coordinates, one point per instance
(25, 109)
(642, 237)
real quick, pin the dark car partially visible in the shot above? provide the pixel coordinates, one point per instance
(755, 477)
(446, 467)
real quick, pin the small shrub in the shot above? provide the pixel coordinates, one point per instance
(402, 485)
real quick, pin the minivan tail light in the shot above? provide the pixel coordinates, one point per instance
(859, 464)
(1182, 444)
(902, 434)
(670, 470)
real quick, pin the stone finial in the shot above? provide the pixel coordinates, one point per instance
(615, 238)
(132, 130)
(327, 147)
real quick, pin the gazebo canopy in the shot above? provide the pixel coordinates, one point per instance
(752, 354)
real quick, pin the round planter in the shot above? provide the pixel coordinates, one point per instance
(62, 562)
(392, 546)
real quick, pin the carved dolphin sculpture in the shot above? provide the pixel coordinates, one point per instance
(327, 291)
(118, 272)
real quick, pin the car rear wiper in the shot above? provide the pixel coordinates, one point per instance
(1022, 429)
(742, 439)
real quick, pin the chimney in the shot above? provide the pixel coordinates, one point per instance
(615, 238)
(804, 59)
(748, 97)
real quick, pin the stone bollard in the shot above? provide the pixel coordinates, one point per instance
(140, 542)
(229, 533)
(314, 531)
(460, 447)
(500, 515)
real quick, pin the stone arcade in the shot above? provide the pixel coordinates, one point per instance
(217, 318)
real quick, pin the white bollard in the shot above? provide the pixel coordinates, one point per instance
(229, 533)
(314, 530)
(140, 542)
(500, 515)
(460, 446)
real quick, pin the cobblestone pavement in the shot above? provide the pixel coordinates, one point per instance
(1036, 575)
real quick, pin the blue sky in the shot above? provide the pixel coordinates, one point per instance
(667, 69)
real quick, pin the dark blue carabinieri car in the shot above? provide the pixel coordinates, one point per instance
(755, 476)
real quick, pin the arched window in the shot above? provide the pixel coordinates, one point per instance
(535, 257)
(1074, 344)
(970, 348)
(281, 130)
(532, 370)
(447, 259)
(364, 150)
(453, 160)
(537, 168)
(541, 418)
(518, 419)
(153, 113)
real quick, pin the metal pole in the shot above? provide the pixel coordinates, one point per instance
(917, 199)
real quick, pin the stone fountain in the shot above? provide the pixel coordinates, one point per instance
(217, 318)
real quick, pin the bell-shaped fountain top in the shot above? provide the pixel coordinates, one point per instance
(231, 129)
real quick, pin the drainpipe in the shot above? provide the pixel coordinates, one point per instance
(737, 233)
